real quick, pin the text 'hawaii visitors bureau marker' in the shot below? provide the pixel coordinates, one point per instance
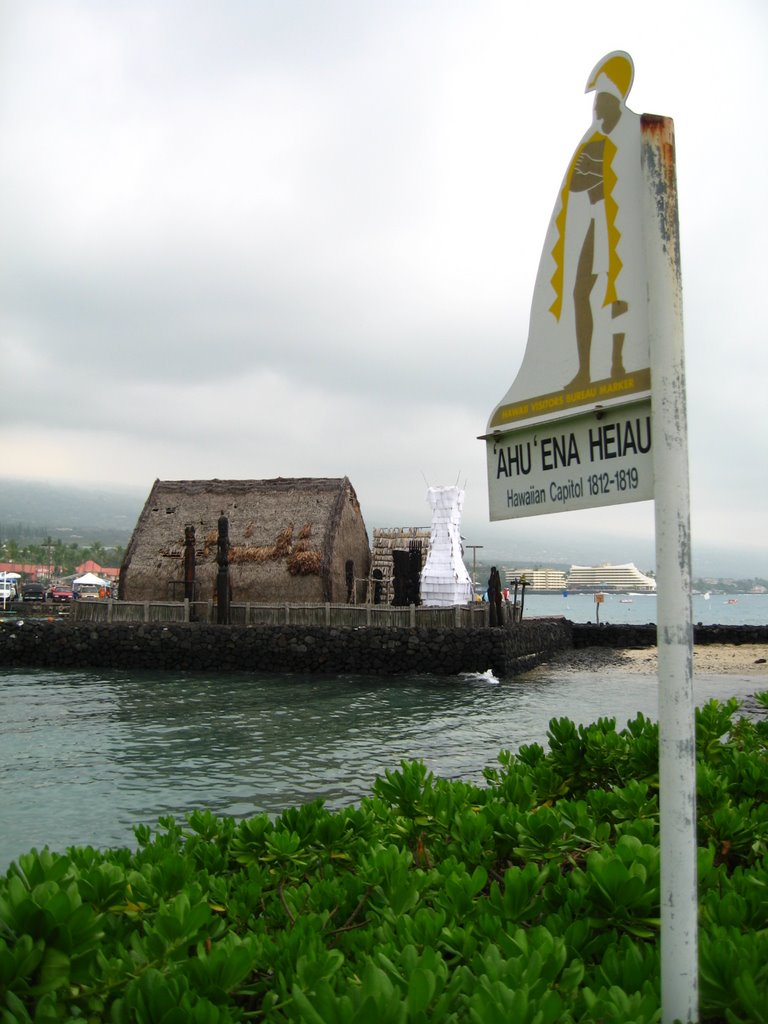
(574, 429)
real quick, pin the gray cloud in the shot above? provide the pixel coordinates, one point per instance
(303, 237)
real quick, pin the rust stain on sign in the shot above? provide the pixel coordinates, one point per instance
(658, 155)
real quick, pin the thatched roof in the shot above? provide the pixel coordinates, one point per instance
(396, 538)
(284, 523)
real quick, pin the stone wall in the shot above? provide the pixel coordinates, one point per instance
(588, 634)
(195, 647)
(372, 650)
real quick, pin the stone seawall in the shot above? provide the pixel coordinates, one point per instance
(591, 635)
(194, 647)
(39, 643)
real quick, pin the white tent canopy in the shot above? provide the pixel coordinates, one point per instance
(89, 579)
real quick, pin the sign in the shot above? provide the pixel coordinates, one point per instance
(601, 458)
(574, 429)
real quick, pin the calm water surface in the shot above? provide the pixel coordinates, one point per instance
(716, 609)
(85, 755)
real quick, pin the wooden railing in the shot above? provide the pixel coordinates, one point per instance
(280, 614)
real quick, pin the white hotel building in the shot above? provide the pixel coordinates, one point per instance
(587, 579)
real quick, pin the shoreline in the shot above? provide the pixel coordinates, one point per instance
(708, 659)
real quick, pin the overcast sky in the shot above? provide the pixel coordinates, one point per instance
(257, 238)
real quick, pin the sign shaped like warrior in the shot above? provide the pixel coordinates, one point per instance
(588, 335)
(577, 427)
(573, 431)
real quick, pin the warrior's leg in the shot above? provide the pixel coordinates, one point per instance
(582, 290)
(617, 364)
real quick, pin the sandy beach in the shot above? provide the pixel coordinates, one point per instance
(709, 659)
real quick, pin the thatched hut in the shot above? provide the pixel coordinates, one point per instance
(388, 544)
(290, 540)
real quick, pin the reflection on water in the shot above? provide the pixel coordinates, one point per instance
(86, 755)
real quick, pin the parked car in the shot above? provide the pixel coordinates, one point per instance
(59, 594)
(88, 592)
(7, 590)
(32, 592)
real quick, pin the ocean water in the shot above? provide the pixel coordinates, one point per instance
(86, 755)
(717, 609)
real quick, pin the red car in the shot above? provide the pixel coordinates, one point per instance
(59, 594)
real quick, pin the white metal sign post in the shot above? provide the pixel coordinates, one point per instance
(677, 732)
(581, 427)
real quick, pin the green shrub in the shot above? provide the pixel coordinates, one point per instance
(533, 898)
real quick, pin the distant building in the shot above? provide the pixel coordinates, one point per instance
(105, 572)
(290, 540)
(593, 578)
(28, 571)
(586, 578)
(88, 566)
(538, 579)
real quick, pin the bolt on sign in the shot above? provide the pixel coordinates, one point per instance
(574, 429)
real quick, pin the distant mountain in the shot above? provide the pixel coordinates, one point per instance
(32, 510)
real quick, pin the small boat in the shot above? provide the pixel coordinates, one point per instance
(626, 600)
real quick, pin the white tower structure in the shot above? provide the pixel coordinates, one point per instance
(444, 578)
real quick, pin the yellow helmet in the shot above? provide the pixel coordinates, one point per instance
(613, 73)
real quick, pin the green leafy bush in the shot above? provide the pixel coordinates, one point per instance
(532, 898)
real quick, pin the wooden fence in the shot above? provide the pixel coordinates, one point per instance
(253, 614)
